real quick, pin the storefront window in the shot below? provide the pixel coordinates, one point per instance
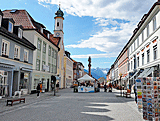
(24, 81)
(36, 81)
(3, 83)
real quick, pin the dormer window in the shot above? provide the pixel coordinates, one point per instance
(48, 35)
(41, 30)
(20, 33)
(10, 27)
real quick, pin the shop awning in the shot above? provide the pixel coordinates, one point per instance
(143, 73)
(4, 65)
(135, 74)
(149, 72)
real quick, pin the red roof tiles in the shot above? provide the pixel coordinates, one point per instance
(21, 17)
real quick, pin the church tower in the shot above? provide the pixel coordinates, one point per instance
(58, 28)
(58, 32)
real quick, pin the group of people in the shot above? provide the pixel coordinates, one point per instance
(39, 88)
(106, 87)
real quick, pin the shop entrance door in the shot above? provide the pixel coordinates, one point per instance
(47, 85)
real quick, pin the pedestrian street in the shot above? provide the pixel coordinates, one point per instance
(70, 106)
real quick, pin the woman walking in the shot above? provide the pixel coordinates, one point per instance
(38, 90)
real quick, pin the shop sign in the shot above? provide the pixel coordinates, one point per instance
(45, 67)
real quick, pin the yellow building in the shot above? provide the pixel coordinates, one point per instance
(68, 67)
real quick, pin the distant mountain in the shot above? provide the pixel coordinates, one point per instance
(98, 72)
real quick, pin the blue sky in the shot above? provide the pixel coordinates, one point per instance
(96, 28)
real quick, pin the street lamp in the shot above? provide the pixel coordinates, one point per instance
(120, 84)
(53, 80)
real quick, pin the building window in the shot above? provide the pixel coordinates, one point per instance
(17, 52)
(57, 24)
(143, 59)
(43, 64)
(55, 54)
(148, 55)
(131, 65)
(137, 61)
(38, 65)
(155, 52)
(147, 30)
(154, 23)
(52, 53)
(134, 62)
(52, 68)
(134, 45)
(49, 65)
(39, 45)
(20, 33)
(25, 55)
(138, 42)
(10, 27)
(49, 51)
(5, 48)
(44, 47)
(142, 36)
(131, 49)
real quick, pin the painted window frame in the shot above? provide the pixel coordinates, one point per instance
(154, 23)
(26, 53)
(38, 65)
(10, 26)
(148, 55)
(155, 52)
(142, 59)
(39, 44)
(17, 51)
(49, 50)
(44, 47)
(4, 50)
(20, 33)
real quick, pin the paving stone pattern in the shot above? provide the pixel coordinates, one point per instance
(69, 106)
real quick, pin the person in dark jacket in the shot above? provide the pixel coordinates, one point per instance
(57, 86)
(105, 87)
(135, 92)
(38, 90)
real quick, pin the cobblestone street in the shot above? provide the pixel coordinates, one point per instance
(69, 106)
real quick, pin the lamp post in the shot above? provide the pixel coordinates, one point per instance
(53, 80)
(120, 85)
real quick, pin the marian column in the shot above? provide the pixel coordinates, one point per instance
(89, 66)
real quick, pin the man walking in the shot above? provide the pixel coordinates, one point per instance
(38, 90)
(57, 86)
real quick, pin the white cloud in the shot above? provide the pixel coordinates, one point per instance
(108, 39)
(121, 9)
(118, 18)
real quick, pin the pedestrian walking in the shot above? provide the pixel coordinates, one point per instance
(38, 90)
(110, 87)
(57, 86)
(135, 92)
(105, 89)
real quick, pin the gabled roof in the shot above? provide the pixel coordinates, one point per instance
(21, 17)
(55, 40)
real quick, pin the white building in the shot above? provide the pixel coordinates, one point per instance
(144, 46)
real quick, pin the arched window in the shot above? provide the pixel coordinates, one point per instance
(57, 23)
